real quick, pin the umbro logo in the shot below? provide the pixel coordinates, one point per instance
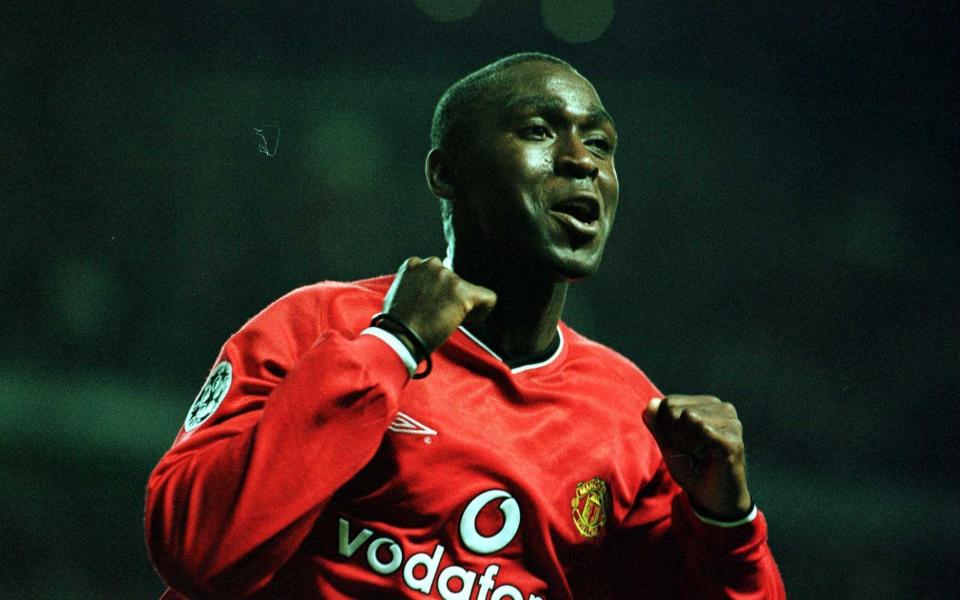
(404, 423)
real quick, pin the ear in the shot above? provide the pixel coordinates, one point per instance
(440, 174)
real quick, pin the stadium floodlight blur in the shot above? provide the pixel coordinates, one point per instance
(573, 21)
(577, 21)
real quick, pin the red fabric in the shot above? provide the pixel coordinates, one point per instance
(327, 473)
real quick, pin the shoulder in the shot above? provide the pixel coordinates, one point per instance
(307, 311)
(349, 306)
(323, 291)
(607, 362)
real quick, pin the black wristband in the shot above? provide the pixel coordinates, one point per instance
(422, 354)
(715, 517)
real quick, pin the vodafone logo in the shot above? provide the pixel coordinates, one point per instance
(498, 541)
(385, 556)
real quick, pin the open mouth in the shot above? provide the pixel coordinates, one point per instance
(585, 209)
(580, 215)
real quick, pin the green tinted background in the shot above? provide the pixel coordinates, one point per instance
(787, 240)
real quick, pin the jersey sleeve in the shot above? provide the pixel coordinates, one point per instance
(664, 549)
(681, 556)
(292, 411)
(724, 562)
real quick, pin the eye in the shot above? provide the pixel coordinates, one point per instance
(601, 144)
(535, 132)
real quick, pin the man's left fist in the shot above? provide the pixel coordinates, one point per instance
(701, 439)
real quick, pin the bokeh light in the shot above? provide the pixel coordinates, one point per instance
(577, 21)
(347, 151)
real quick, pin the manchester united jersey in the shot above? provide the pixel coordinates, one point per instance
(311, 466)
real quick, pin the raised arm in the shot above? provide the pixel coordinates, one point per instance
(293, 409)
(235, 496)
(720, 534)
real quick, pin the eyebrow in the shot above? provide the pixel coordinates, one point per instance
(596, 114)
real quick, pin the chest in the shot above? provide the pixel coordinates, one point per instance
(503, 464)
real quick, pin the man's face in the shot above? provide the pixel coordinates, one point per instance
(538, 185)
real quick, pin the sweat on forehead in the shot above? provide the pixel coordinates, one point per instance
(458, 104)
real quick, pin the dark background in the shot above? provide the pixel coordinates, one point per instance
(787, 240)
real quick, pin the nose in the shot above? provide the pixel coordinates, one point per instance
(575, 160)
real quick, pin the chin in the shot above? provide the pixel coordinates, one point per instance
(570, 269)
(574, 276)
(558, 264)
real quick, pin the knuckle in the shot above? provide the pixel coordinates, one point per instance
(671, 404)
(462, 285)
(456, 285)
(446, 281)
(465, 295)
(688, 417)
(704, 430)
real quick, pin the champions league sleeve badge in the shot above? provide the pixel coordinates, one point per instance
(212, 393)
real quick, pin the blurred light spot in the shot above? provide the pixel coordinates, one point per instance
(445, 11)
(82, 293)
(577, 21)
(349, 153)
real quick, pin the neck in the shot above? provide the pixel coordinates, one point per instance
(525, 318)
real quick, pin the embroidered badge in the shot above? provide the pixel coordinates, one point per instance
(590, 503)
(211, 395)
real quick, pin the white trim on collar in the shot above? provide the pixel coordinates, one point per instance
(521, 368)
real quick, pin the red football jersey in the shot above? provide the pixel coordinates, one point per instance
(311, 466)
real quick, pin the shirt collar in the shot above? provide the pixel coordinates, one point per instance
(526, 362)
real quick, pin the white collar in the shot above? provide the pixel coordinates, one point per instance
(521, 368)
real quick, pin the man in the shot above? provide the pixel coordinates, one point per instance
(528, 462)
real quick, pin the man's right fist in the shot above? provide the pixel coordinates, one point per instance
(433, 300)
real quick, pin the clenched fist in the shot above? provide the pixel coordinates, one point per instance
(701, 439)
(433, 301)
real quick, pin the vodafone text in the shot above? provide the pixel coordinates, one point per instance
(486, 584)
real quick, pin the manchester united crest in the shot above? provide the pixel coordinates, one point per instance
(590, 503)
